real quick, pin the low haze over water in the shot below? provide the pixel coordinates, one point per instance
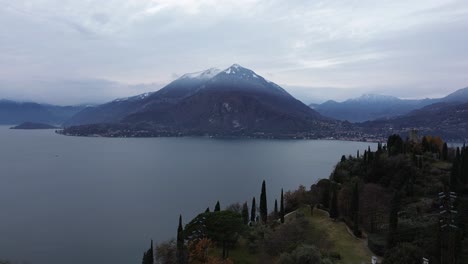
(82, 200)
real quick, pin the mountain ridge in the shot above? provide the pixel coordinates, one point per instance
(370, 107)
(446, 119)
(235, 100)
(16, 112)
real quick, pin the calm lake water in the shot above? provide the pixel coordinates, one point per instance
(81, 200)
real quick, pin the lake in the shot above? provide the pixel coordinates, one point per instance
(79, 200)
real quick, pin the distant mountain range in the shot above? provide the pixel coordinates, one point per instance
(446, 119)
(12, 113)
(234, 101)
(372, 106)
(238, 102)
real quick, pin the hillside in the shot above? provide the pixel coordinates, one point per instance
(390, 202)
(449, 120)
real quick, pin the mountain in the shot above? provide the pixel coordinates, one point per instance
(110, 112)
(115, 111)
(233, 101)
(12, 112)
(446, 119)
(460, 96)
(30, 125)
(373, 106)
(369, 107)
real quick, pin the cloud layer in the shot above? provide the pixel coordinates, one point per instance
(403, 48)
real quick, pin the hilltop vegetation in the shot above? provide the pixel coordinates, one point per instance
(398, 197)
(404, 201)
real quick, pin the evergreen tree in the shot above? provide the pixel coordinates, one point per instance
(245, 213)
(180, 242)
(151, 253)
(393, 221)
(426, 146)
(282, 207)
(463, 173)
(275, 211)
(357, 154)
(326, 196)
(343, 158)
(207, 210)
(217, 207)
(454, 174)
(445, 151)
(253, 211)
(355, 210)
(222, 227)
(263, 204)
(395, 145)
(334, 205)
(148, 257)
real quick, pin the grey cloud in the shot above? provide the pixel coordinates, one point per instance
(83, 91)
(408, 49)
(101, 18)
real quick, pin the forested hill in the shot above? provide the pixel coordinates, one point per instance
(405, 201)
(400, 197)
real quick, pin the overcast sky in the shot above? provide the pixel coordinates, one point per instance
(81, 51)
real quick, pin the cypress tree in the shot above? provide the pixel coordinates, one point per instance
(463, 174)
(334, 205)
(393, 221)
(462, 164)
(253, 211)
(245, 213)
(217, 207)
(148, 257)
(275, 211)
(180, 242)
(369, 154)
(454, 174)
(445, 151)
(355, 210)
(151, 257)
(263, 204)
(282, 207)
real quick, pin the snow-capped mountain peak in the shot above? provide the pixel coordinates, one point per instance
(241, 72)
(134, 98)
(374, 98)
(236, 69)
(202, 75)
(236, 73)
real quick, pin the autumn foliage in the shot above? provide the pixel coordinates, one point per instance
(199, 252)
